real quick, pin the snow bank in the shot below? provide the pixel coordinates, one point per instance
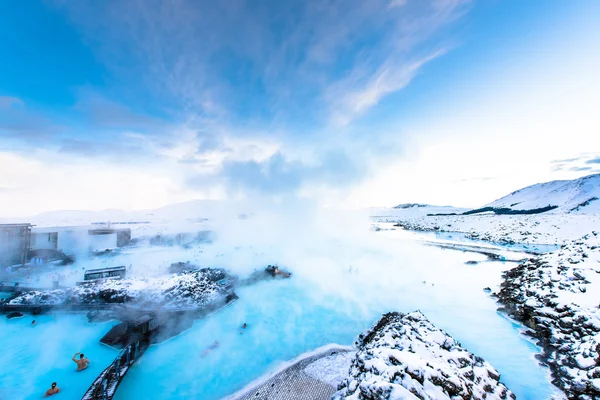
(405, 357)
(510, 229)
(185, 290)
(558, 296)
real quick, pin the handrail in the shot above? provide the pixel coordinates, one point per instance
(106, 383)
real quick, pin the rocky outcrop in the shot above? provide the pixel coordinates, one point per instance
(558, 297)
(405, 357)
(186, 290)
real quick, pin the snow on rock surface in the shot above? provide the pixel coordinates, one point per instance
(558, 296)
(187, 290)
(405, 357)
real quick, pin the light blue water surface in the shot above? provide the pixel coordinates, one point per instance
(32, 357)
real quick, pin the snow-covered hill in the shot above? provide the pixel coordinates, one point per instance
(576, 196)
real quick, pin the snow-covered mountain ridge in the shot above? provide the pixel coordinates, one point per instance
(575, 196)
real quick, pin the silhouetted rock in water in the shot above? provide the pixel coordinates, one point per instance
(14, 314)
(405, 356)
(270, 272)
(487, 290)
(471, 262)
(557, 295)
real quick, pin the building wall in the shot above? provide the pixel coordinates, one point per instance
(44, 240)
(14, 243)
(105, 241)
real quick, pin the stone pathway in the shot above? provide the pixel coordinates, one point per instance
(293, 383)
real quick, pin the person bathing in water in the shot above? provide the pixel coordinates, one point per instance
(52, 390)
(82, 363)
(275, 271)
(244, 327)
(210, 348)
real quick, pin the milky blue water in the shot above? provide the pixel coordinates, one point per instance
(32, 357)
(337, 291)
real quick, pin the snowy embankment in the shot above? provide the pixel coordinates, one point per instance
(558, 296)
(509, 229)
(405, 357)
(187, 290)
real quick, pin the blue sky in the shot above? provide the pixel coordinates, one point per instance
(354, 102)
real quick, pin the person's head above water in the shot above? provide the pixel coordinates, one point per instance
(81, 355)
(244, 326)
(53, 385)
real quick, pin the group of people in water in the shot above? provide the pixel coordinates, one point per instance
(82, 363)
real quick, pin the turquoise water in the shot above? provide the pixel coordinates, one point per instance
(32, 357)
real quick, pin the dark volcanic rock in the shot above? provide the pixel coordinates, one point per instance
(14, 314)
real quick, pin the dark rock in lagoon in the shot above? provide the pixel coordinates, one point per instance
(269, 273)
(471, 262)
(487, 290)
(14, 314)
(404, 355)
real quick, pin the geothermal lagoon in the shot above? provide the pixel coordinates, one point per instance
(339, 288)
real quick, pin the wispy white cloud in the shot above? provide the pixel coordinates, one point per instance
(349, 104)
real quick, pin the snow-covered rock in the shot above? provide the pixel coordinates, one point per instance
(186, 290)
(558, 296)
(405, 357)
